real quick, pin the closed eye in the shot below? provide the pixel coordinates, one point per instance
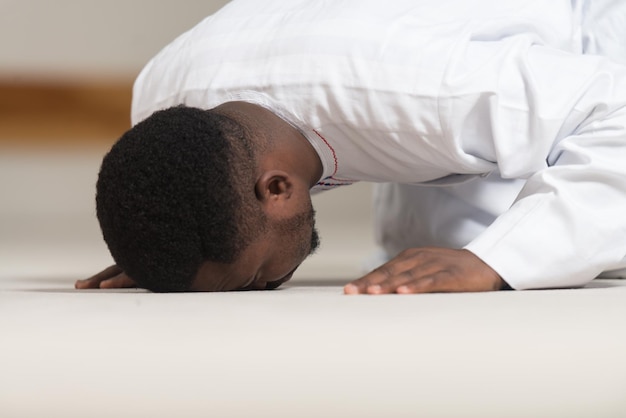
(249, 285)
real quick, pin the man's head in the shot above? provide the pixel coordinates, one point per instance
(181, 206)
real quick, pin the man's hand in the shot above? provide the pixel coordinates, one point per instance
(110, 278)
(429, 270)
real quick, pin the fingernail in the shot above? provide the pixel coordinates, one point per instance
(402, 289)
(350, 289)
(374, 289)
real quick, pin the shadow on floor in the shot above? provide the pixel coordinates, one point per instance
(64, 285)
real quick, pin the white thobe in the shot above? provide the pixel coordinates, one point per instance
(412, 216)
(440, 94)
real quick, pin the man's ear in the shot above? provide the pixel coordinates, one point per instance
(273, 186)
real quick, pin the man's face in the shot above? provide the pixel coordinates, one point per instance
(268, 262)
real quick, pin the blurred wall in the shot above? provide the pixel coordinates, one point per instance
(69, 64)
(89, 39)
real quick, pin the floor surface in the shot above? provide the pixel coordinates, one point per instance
(304, 350)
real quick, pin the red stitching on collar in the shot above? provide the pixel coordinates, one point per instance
(331, 150)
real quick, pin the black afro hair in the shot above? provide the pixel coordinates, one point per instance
(172, 193)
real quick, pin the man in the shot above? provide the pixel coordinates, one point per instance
(487, 105)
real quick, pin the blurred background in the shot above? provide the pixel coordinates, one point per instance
(66, 73)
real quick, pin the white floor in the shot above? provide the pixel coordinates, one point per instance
(303, 351)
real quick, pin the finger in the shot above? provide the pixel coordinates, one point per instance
(391, 284)
(107, 273)
(414, 272)
(90, 283)
(371, 279)
(393, 272)
(424, 285)
(84, 284)
(441, 282)
(120, 281)
(94, 281)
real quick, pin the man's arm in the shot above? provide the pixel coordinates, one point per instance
(110, 278)
(557, 120)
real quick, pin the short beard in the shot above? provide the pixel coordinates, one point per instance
(293, 225)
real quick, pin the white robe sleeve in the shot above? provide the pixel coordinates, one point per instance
(559, 121)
